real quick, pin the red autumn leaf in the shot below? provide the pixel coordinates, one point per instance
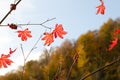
(11, 51)
(116, 32)
(59, 31)
(101, 8)
(113, 44)
(24, 34)
(48, 38)
(4, 59)
(12, 26)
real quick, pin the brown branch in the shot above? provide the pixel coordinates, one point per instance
(9, 12)
(75, 58)
(70, 69)
(101, 68)
(58, 71)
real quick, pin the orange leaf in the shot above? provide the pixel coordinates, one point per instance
(116, 32)
(59, 31)
(24, 34)
(113, 44)
(101, 8)
(4, 59)
(48, 38)
(11, 51)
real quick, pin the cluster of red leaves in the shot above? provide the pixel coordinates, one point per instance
(115, 41)
(48, 36)
(4, 59)
(57, 32)
(101, 8)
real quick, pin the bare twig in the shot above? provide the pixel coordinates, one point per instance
(36, 24)
(33, 48)
(70, 69)
(9, 12)
(101, 68)
(42, 24)
(22, 51)
(48, 20)
(23, 57)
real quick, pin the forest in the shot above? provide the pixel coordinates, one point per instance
(87, 58)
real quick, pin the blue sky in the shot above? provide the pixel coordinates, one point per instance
(77, 17)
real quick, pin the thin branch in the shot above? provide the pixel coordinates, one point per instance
(101, 68)
(23, 57)
(75, 58)
(34, 24)
(33, 48)
(9, 12)
(70, 69)
(22, 51)
(42, 24)
(48, 20)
